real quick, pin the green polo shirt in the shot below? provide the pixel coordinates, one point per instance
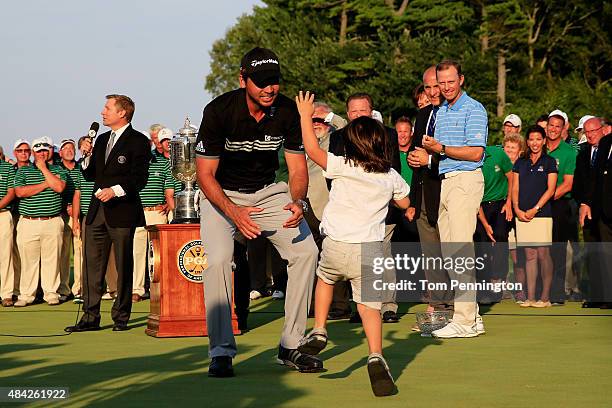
(86, 189)
(496, 165)
(73, 174)
(7, 180)
(160, 179)
(178, 185)
(406, 169)
(565, 156)
(47, 203)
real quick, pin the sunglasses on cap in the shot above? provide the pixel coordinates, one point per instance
(37, 145)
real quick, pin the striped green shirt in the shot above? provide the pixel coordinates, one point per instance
(47, 203)
(86, 189)
(178, 185)
(7, 180)
(160, 179)
(68, 193)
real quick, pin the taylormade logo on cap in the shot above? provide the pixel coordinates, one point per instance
(255, 63)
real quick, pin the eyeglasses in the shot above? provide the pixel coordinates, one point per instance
(37, 145)
(592, 130)
(22, 150)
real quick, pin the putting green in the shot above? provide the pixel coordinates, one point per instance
(557, 357)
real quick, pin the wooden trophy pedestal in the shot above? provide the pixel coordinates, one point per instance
(176, 265)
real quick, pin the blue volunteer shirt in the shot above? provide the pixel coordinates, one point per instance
(462, 124)
(533, 182)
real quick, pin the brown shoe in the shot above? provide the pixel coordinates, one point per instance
(7, 302)
(136, 298)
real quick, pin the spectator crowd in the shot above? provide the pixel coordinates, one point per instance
(531, 197)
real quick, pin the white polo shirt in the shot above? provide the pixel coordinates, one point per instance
(359, 201)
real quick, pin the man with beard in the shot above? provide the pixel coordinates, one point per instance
(237, 156)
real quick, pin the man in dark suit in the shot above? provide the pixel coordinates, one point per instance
(118, 165)
(357, 105)
(596, 211)
(425, 190)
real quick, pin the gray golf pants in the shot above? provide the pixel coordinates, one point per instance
(296, 245)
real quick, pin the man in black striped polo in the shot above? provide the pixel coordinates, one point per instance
(157, 200)
(39, 232)
(237, 157)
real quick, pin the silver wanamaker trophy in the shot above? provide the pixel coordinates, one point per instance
(183, 165)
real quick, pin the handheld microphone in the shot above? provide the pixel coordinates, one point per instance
(93, 130)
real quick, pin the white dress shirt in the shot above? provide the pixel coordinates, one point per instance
(117, 189)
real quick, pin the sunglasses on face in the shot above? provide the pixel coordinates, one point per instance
(22, 150)
(318, 120)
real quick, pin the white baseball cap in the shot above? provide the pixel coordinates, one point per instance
(66, 141)
(19, 142)
(42, 143)
(558, 112)
(514, 120)
(582, 121)
(164, 134)
(377, 115)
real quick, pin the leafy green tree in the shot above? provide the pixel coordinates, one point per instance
(521, 56)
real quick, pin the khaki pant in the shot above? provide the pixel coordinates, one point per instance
(16, 257)
(7, 274)
(77, 244)
(460, 198)
(141, 244)
(296, 245)
(390, 275)
(40, 248)
(67, 248)
(342, 261)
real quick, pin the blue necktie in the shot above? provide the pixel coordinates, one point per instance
(594, 156)
(431, 127)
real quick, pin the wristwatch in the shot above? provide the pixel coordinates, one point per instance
(304, 205)
(538, 208)
(443, 151)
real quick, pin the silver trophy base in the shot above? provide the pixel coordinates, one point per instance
(185, 211)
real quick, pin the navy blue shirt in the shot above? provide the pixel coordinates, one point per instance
(533, 182)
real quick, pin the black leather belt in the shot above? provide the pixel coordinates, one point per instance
(251, 190)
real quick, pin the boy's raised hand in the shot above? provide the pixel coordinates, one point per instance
(305, 103)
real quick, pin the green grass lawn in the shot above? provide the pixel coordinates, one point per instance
(558, 357)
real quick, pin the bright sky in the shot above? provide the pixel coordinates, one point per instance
(61, 57)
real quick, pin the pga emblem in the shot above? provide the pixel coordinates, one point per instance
(121, 159)
(192, 261)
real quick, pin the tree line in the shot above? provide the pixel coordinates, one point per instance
(519, 56)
